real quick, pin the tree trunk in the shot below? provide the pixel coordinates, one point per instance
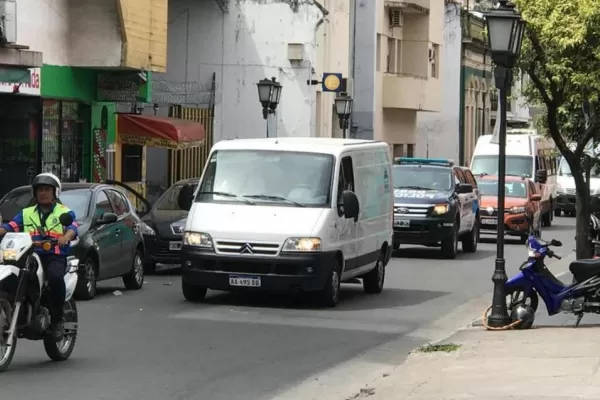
(582, 214)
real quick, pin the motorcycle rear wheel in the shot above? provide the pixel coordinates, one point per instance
(6, 353)
(61, 351)
(516, 296)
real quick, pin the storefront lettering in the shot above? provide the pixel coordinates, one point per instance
(33, 87)
(155, 142)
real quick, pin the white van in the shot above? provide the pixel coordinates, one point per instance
(527, 154)
(301, 214)
(565, 187)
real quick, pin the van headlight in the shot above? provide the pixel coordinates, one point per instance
(302, 244)
(441, 209)
(197, 239)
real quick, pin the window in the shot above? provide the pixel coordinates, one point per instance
(398, 56)
(77, 200)
(410, 150)
(169, 202)
(391, 55)
(131, 163)
(511, 189)
(346, 178)
(515, 165)
(14, 202)
(433, 59)
(470, 178)
(118, 202)
(265, 177)
(102, 204)
(378, 55)
(421, 177)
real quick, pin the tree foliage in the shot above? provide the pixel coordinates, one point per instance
(561, 56)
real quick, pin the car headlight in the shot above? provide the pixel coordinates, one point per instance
(197, 239)
(302, 244)
(517, 210)
(146, 230)
(9, 255)
(441, 209)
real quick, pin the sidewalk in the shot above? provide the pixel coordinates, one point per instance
(558, 363)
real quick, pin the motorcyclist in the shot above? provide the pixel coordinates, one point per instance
(46, 214)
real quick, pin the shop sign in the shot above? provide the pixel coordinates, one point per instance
(157, 142)
(31, 88)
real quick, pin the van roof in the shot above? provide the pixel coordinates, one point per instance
(332, 146)
(516, 144)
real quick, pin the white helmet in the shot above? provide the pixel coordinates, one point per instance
(48, 179)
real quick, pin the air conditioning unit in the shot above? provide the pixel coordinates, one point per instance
(396, 18)
(8, 21)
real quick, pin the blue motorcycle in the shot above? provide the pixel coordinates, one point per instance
(535, 279)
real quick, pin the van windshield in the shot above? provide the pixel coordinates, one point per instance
(515, 165)
(265, 177)
(565, 170)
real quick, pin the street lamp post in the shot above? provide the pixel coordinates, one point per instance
(505, 32)
(343, 108)
(269, 93)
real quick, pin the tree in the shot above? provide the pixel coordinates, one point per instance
(561, 55)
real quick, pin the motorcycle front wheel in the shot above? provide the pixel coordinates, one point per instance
(6, 353)
(61, 351)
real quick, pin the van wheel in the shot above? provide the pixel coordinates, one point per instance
(330, 294)
(193, 293)
(450, 244)
(469, 243)
(373, 281)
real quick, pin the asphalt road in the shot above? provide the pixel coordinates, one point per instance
(153, 345)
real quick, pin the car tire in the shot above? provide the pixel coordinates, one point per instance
(134, 279)
(193, 293)
(469, 243)
(330, 295)
(450, 244)
(373, 281)
(523, 239)
(87, 280)
(557, 212)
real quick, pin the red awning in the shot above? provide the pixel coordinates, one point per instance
(152, 131)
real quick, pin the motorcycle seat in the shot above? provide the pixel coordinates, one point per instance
(585, 269)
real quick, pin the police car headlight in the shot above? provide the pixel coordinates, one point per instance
(197, 239)
(517, 210)
(146, 230)
(441, 209)
(9, 255)
(302, 244)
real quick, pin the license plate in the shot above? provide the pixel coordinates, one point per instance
(402, 223)
(489, 222)
(244, 281)
(174, 245)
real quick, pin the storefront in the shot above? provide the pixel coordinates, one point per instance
(20, 122)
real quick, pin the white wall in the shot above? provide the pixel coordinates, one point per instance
(43, 26)
(242, 46)
(94, 33)
(438, 133)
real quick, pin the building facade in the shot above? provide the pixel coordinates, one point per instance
(438, 133)
(77, 60)
(397, 64)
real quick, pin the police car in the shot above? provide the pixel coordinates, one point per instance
(435, 204)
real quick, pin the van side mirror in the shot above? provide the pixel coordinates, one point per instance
(464, 188)
(541, 176)
(536, 197)
(349, 205)
(186, 197)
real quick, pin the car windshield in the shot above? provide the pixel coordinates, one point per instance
(511, 189)
(15, 201)
(422, 178)
(515, 165)
(258, 177)
(565, 170)
(169, 201)
(78, 200)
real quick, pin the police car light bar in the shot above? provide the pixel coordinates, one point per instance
(431, 161)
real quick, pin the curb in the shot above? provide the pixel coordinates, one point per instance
(561, 265)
